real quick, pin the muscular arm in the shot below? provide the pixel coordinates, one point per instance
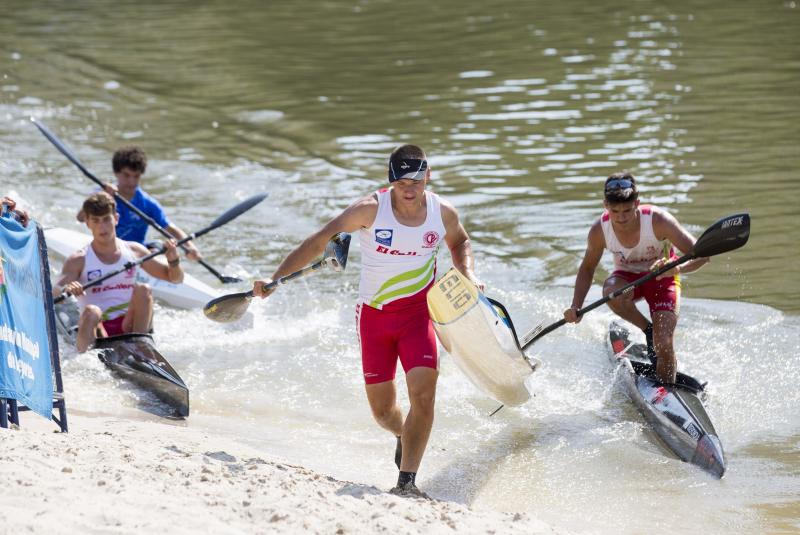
(156, 266)
(666, 227)
(459, 243)
(70, 273)
(360, 214)
(595, 244)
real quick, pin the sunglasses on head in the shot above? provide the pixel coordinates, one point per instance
(618, 184)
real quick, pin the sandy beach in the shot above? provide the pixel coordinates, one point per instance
(111, 475)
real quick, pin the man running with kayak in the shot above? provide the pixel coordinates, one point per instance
(639, 237)
(118, 305)
(401, 229)
(129, 164)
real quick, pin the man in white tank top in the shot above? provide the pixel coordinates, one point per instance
(639, 238)
(119, 304)
(400, 229)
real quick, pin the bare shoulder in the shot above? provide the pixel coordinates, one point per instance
(449, 212)
(360, 214)
(596, 237)
(365, 203)
(363, 210)
(664, 223)
(75, 261)
(137, 248)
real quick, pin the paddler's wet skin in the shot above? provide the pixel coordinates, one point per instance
(398, 453)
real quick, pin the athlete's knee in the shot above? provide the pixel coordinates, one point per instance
(424, 401)
(382, 412)
(142, 289)
(422, 397)
(142, 293)
(91, 314)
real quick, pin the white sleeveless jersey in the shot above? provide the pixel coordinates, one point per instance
(112, 295)
(398, 261)
(636, 259)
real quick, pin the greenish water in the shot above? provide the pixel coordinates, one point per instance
(524, 108)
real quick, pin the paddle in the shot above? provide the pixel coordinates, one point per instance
(74, 159)
(228, 216)
(727, 234)
(231, 307)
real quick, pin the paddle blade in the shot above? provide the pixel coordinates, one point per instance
(336, 251)
(234, 212)
(727, 234)
(228, 308)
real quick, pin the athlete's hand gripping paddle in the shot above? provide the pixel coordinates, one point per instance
(231, 307)
(727, 234)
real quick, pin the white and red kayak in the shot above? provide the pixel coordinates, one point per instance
(191, 293)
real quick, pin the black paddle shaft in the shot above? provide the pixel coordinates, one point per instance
(727, 234)
(231, 307)
(150, 221)
(231, 214)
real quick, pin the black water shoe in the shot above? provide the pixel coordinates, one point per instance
(409, 490)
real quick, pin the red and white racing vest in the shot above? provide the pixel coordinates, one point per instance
(113, 295)
(639, 258)
(398, 261)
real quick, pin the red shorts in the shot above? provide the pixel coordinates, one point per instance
(113, 327)
(661, 295)
(402, 329)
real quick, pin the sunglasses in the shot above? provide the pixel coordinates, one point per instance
(619, 183)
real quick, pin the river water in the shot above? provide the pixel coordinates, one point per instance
(524, 109)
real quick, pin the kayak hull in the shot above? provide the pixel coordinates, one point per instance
(479, 336)
(134, 357)
(675, 412)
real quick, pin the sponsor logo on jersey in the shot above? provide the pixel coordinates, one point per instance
(94, 274)
(430, 239)
(394, 252)
(384, 236)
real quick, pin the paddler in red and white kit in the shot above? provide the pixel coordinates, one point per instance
(639, 237)
(119, 304)
(401, 229)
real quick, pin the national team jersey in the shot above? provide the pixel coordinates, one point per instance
(131, 227)
(112, 295)
(639, 258)
(398, 261)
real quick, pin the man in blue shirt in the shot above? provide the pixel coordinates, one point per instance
(129, 164)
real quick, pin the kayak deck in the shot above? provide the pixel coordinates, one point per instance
(675, 412)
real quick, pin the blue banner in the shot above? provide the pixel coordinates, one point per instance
(25, 359)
